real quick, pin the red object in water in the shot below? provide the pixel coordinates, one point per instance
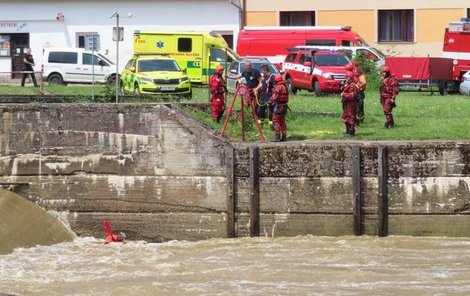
(107, 227)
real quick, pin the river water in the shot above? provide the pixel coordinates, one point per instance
(304, 265)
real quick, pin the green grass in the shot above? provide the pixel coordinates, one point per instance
(418, 116)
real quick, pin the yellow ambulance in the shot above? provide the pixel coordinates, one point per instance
(198, 53)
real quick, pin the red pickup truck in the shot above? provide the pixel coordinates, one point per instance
(320, 71)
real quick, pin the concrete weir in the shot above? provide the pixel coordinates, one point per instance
(158, 174)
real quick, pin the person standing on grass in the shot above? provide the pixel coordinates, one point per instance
(265, 91)
(252, 79)
(217, 89)
(388, 92)
(362, 84)
(28, 64)
(348, 98)
(279, 100)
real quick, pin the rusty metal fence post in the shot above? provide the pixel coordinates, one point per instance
(382, 174)
(357, 193)
(254, 191)
(231, 181)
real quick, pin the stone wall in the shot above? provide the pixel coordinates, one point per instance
(151, 171)
(307, 188)
(158, 174)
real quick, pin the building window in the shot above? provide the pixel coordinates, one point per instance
(468, 12)
(297, 18)
(5, 45)
(396, 25)
(89, 41)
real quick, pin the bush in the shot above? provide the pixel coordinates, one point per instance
(370, 69)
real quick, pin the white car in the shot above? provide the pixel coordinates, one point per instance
(76, 65)
(238, 66)
(465, 84)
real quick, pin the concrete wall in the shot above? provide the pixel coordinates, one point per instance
(158, 174)
(308, 188)
(149, 170)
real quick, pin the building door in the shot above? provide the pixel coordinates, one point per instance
(18, 43)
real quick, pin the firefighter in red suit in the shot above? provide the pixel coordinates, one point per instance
(279, 100)
(388, 93)
(217, 87)
(348, 98)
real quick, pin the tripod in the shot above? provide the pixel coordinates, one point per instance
(244, 93)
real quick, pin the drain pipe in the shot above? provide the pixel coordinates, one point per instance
(241, 10)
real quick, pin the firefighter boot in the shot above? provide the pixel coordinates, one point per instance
(346, 132)
(283, 137)
(276, 139)
(352, 133)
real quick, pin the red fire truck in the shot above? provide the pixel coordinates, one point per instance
(418, 73)
(272, 42)
(457, 47)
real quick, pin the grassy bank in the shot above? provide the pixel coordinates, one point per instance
(418, 116)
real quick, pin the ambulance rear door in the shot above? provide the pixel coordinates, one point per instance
(190, 56)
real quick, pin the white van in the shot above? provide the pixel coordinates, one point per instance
(76, 65)
(351, 51)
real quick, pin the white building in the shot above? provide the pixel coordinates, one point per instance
(70, 23)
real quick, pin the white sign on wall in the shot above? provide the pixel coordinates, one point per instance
(12, 27)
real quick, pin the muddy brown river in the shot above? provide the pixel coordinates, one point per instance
(304, 265)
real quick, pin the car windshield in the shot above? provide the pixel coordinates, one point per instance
(331, 60)
(381, 54)
(362, 42)
(257, 66)
(158, 65)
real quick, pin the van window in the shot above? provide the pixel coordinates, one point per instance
(61, 57)
(218, 55)
(347, 43)
(234, 65)
(331, 60)
(304, 58)
(87, 60)
(321, 42)
(291, 57)
(367, 54)
(185, 45)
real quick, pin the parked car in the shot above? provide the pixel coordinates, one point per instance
(76, 65)
(318, 71)
(465, 84)
(369, 53)
(154, 74)
(238, 66)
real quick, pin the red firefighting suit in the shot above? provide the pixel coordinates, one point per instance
(217, 87)
(388, 92)
(348, 97)
(279, 99)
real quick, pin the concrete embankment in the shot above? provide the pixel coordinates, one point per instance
(158, 174)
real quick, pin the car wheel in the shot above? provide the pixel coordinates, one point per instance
(55, 79)
(111, 80)
(189, 96)
(136, 90)
(316, 88)
(291, 88)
